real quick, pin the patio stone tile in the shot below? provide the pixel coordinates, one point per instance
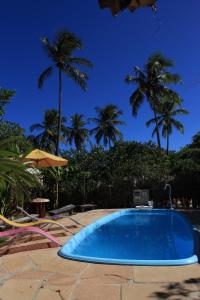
(172, 291)
(54, 292)
(17, 262)
(96, 292)
(22, 289)
(60, 280)
(106, 274)
(4, 277)
(45, 294)
(166, 274)
(48, 260)
(31, 274)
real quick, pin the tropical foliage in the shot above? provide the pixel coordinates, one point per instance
(15, 181)
(5, 97)
(108, 177)
(195, 141)
(8, 129)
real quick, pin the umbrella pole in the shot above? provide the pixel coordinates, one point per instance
(57, 187)
(57, 193)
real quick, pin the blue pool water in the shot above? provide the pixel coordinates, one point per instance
(136, 237)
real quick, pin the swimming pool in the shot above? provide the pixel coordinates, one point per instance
(136, 237)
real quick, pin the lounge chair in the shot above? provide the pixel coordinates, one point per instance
(37, 222)
(88, 206)
(54, 217)
(18, 231)
(68, 208)
(35, 217)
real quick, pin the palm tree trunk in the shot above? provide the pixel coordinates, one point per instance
(109, 144)
(167, 143)
(59, 127)
(157, 129)
(84, 190)
(59, 108)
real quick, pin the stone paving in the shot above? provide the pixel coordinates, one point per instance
(43, 275)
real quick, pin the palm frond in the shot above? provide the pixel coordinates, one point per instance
(158, 60)
(37, 127)
(118, 122)
(154, 132)
(79, 61)
(48, 48)
(130, 79)
(44, 75)
(66, 42)
(178, 125)
(94, 130)
(180, 111)
(78, 77)
(151, 122)
(136, 99)
(169, 78)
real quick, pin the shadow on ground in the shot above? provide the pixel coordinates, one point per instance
(179, 291)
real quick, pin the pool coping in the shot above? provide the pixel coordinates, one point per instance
(66, 250)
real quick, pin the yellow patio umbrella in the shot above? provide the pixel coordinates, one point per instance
(41, 159)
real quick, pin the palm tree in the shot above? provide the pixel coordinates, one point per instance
(166, 119)
(47, 138)
(77, 133)
(152, 85)
(61, 53)
(106, 122)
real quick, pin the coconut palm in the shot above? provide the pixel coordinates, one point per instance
(47, 138)
(151, 84)
(106, 124)
(166, 119)
(77, 132)
(61, 53)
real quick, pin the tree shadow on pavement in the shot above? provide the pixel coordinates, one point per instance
(188, 289)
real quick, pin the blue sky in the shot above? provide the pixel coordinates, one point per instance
(114, 45)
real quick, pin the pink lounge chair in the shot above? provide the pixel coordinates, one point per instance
(18, 231)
